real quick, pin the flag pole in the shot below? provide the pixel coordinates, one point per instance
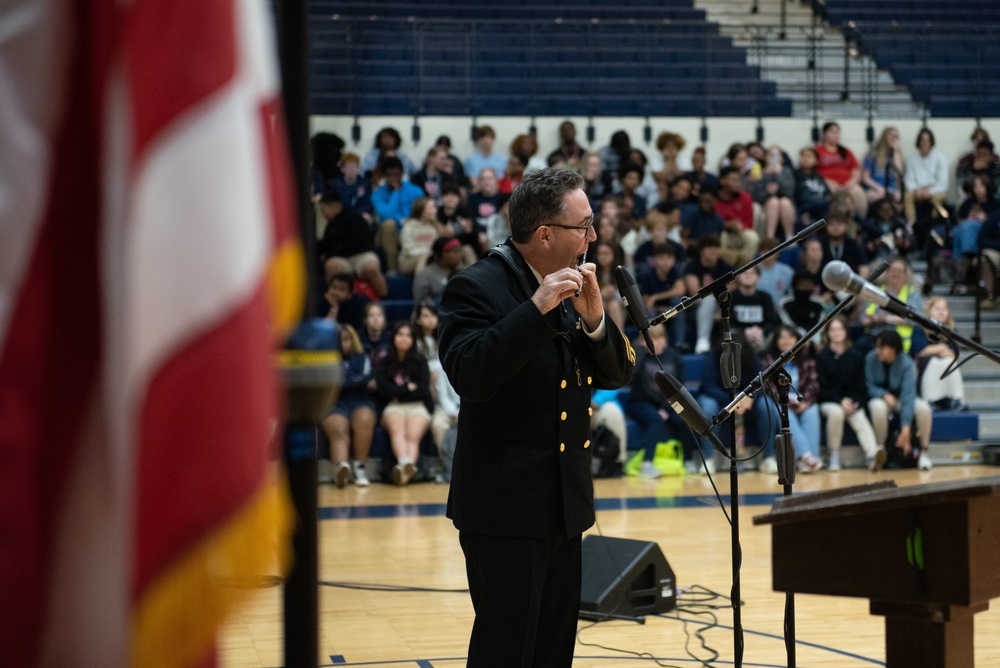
(301, 594)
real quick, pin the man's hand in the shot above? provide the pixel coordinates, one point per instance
(891, 401)
(849, 407)
(560, 285)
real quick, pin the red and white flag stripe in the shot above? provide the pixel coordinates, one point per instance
(148, 218)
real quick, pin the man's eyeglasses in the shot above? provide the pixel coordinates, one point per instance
(585, 228)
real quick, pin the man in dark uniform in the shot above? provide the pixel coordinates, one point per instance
(525, 353)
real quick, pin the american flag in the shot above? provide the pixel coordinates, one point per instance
(147, 267)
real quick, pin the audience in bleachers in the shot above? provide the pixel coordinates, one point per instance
(735, 207)
(569, 151)
(393, 202)
(838, 166)
(942, 392)
(387, 142)
(891, 378)
(373, 333)
(429, 282)
(484, 157)
(350, 423)
(883, 168)
(840, 369)
(403, 391)
(803, 412)
(677, 228)
(434, 175)
(343, 304)
(347, 245)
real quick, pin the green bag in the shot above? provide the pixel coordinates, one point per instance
(669, 459)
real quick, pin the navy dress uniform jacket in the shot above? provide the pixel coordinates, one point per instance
(522, 459)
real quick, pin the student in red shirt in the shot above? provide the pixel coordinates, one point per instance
(735, 207)
(839, 168)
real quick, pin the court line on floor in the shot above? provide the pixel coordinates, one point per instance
(389, 511)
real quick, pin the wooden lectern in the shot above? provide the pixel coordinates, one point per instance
(927, 556)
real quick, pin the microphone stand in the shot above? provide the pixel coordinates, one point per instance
(731, 358)
(730, 365)
(784, 450)
(785, 456)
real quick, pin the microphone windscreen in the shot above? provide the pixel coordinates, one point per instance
(837, 275)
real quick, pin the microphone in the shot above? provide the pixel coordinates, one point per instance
(684, 405)
(837, 276)
(632, 300)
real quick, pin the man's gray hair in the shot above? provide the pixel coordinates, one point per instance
(539, 199)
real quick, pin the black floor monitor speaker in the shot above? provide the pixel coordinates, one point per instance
(625, 579)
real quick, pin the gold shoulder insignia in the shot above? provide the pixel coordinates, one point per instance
(629, 350)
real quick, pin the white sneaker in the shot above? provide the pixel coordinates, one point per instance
(809, 463)
(702, 346)
(341, 474)
(924, 462)
(360, 475)
(648, 470)
(324, 470)
(403, 472)
(834, 464)
(709, 466)
(877, 461)
(769, 465)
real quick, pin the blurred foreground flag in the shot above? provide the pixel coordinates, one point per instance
(147, 268)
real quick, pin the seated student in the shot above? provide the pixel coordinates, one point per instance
(347, 245)
(842, 395)
(980, 204)
(484, 202)
(373, 333)
(603, 255)
(470, 233)
(607, 411)
(435, 174)
(512, 174)
(775, 276)
(811, 262)
(647, 405)
(497, 225)
(891, 378)
(698, 177)
(663, 227)
(351, 421)
(774, 193)
(702, 221)
(484, 158)
(345, 306)
(630, 177)
(802, 310)
(429, 282)
(752, 310)
(812, 193)
(759, 414)
(739, 240)
(402, 387)
(662, 288)
(897, 282)
(885, 233)
(803, 413)
(418, 235)
(701, 270)
(393, 202)
(837, 242)
(947, 393)
(354, 188)
(387, 141)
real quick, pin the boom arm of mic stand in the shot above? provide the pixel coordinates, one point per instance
(758, 382)
(719, 284)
